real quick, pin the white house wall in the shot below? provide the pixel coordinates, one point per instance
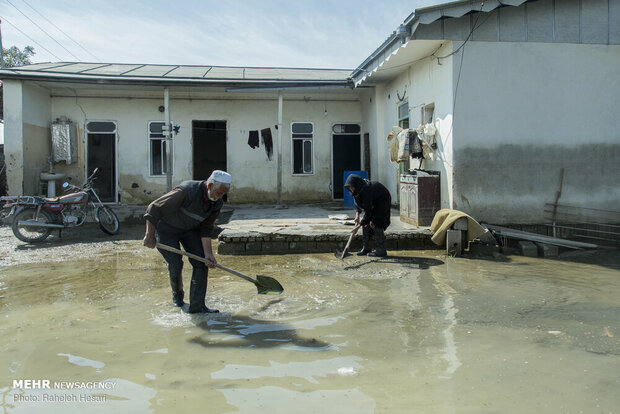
(13, 133)
(523, 112)
(422, 83)
(27, 115)
(254, 176)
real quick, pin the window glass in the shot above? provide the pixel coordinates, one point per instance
(307, 156)
(403, 115)
(302, 127)
(157, 149)
(101, 126)
(298, 167)
(302, 137)
(346, 129)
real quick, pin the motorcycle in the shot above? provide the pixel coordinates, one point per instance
(34, 217)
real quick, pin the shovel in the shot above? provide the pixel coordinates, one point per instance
(342, 254)
(264, 284)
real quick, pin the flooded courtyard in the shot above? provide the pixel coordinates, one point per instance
(416, 332)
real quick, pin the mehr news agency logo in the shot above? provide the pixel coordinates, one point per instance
(44, 384)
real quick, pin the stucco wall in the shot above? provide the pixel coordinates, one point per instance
(37, 136)
(422, 83)
(254, 176)
(524, 112)
(13, 127)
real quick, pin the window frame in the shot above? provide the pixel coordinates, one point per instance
(304, 139)
(149, 139)
(400, 119)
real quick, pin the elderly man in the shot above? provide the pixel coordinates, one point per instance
(186, 215)
(372, 198)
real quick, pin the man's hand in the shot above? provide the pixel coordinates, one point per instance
(356, 228)
(372, 225)
(211, 259)
(357, 218)
(149, 240)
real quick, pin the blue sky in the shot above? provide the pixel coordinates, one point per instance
(293, 33)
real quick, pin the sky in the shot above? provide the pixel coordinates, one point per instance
(274, 33)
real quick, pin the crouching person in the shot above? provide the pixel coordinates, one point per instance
(375, 201)
(186, 215)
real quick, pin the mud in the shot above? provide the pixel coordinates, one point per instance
(416, 332)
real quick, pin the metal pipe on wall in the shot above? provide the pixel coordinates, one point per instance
(279, 185)
(168, 135)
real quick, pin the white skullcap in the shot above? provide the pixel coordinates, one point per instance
(221, 177)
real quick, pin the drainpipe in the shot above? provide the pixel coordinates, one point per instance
(279, 185)
(168, 134)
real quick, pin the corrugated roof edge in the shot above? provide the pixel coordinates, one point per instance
(413, 20)
(52, 72)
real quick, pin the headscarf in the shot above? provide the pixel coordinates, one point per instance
(357, 182)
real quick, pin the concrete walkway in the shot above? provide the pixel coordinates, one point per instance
(305, 228)
(298, 228)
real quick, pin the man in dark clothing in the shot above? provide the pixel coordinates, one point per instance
(372, 198)
(186, 215)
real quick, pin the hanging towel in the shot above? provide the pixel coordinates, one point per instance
(403, 145)
(265, 135)
(253, 139)
(392, 143)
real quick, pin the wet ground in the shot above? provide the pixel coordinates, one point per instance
(416, 332)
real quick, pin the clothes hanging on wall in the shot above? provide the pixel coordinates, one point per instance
(415, 145)
(265, 135)
(392, 143)
(253, 139)
(403, 145)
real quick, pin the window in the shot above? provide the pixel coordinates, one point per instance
(403, 115)
(427, 113)
(302, 134)
(157, 149)
(403, 122)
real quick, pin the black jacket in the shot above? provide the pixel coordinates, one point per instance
(373, 199)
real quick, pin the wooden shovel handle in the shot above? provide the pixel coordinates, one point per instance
(203, 260)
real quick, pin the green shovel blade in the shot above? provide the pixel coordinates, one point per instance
(268, 285)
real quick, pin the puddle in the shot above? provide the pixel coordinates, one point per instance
(418, 332)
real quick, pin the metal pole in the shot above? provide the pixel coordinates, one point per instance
(168, 135)
(1, 50)
(279, 200)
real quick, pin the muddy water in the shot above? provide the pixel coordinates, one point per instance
(418, 332)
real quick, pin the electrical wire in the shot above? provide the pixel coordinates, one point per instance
(34, 41)
(61, 31)
(43, 30)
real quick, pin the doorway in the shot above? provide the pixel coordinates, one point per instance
(209, 148)
(101, 154)
(346, 154)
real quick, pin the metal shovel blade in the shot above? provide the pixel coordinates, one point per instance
(341, 254)
(267, 285)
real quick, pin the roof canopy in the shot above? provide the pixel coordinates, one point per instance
(116, 73)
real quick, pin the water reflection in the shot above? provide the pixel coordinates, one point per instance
(406, 261)
(277, 400)
(245, 331)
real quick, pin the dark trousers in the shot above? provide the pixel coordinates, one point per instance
(379, 235)
(192, 244)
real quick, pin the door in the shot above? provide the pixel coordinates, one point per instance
(209, 148)
(101, 154)
(346, 155)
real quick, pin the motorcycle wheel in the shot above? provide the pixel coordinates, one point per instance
(108, 221)
(31, 234)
